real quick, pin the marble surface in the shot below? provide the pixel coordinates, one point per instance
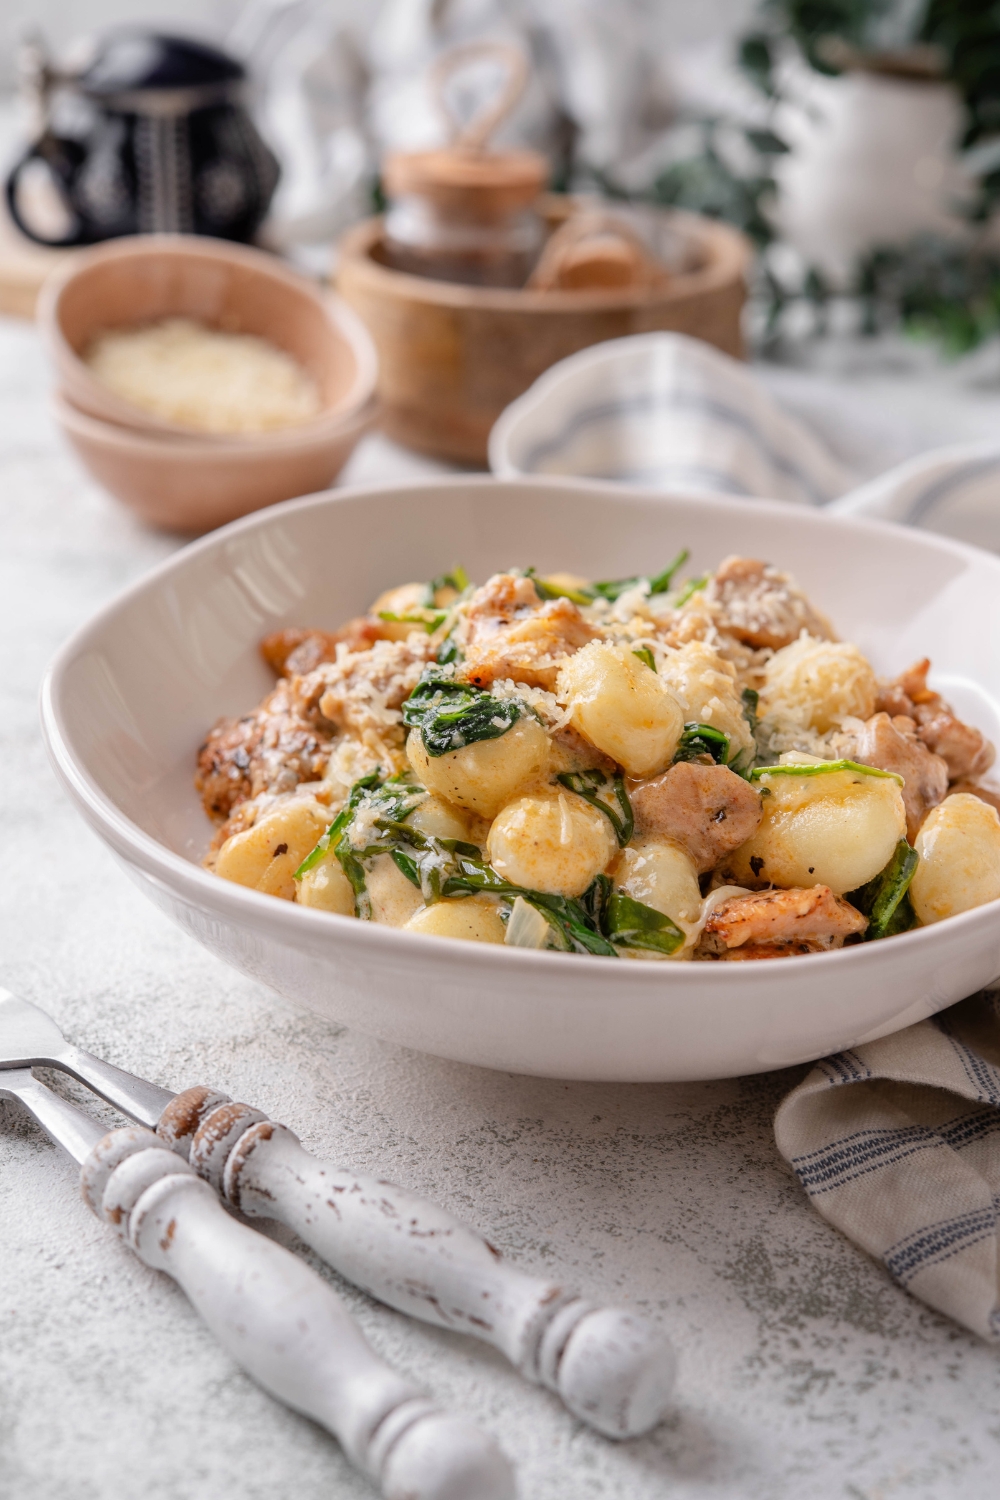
(804, 1371)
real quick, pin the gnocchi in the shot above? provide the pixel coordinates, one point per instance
(663, 876)
(819, 683)
(706, 687)
(476, 920)
(327, 888)
(959, 851)
(394, 898)
(481, 777)
(838, 829)
(266, 856)
(555, 844)
(547, 762)
(619, 703)
(405, 606)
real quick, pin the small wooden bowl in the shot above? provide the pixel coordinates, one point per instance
(142, 279)
(452, 357)
(191, 486)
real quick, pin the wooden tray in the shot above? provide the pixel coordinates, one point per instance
(452, 357)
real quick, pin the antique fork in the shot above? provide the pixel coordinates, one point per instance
(613, 1369)
(273, 1314)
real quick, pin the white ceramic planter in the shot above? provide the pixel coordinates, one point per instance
(873, 162)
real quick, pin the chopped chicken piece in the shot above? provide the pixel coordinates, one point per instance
(569, 751)
(288, 738)
(270, 750)
(751, 951)
(708, 810)
(509, 632)
(906, 690)
(297, 652)
(362, 691)
(892, 745)
(781, 920)
(761, 606)
(966, 751)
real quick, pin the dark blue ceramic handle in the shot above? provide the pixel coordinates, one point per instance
(63, 159)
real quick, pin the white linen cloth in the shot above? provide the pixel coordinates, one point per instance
(664, 410)
(896, 1144)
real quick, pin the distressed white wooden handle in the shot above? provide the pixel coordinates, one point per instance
(612, 1368)
(287, 1329)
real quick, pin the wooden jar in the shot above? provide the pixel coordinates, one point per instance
(452, 356)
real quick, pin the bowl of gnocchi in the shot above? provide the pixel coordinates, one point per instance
(543, 777)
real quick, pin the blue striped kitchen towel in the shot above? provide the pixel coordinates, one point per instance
(668, 411)
(896, 1144)
(954, 489)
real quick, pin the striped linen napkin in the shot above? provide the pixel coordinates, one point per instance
(896, 1144)
(665, 410)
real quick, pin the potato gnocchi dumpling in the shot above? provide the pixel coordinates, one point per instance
(266, 856)
(327, 888)
(482, 776)
(394, 899)
(622, 705)
(959, 852)
(835, 828)
(662, 876)
(708, 691)
(475, 920)
(656, 766)
(556, 844)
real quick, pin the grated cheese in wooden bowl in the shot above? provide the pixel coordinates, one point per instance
(187, 373)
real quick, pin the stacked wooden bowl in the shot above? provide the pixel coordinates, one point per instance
(182, 478)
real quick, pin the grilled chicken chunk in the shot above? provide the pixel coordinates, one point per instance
(761, 606)
(751, 951)
(270, 750)
(781, 921)
(509, 632)
(892, 745)
(966, 751)
(364, 691)
(708, 810)
(292, 653)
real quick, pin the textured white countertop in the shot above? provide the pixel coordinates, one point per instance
(805, 1373)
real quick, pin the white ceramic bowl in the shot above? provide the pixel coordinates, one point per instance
(128, 700)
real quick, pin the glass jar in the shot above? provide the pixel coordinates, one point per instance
(464, 215)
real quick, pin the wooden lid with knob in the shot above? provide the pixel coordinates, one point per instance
(465, 180)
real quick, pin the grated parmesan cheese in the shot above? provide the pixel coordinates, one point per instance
(815, 684)
(202, 378)
(545, 704)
